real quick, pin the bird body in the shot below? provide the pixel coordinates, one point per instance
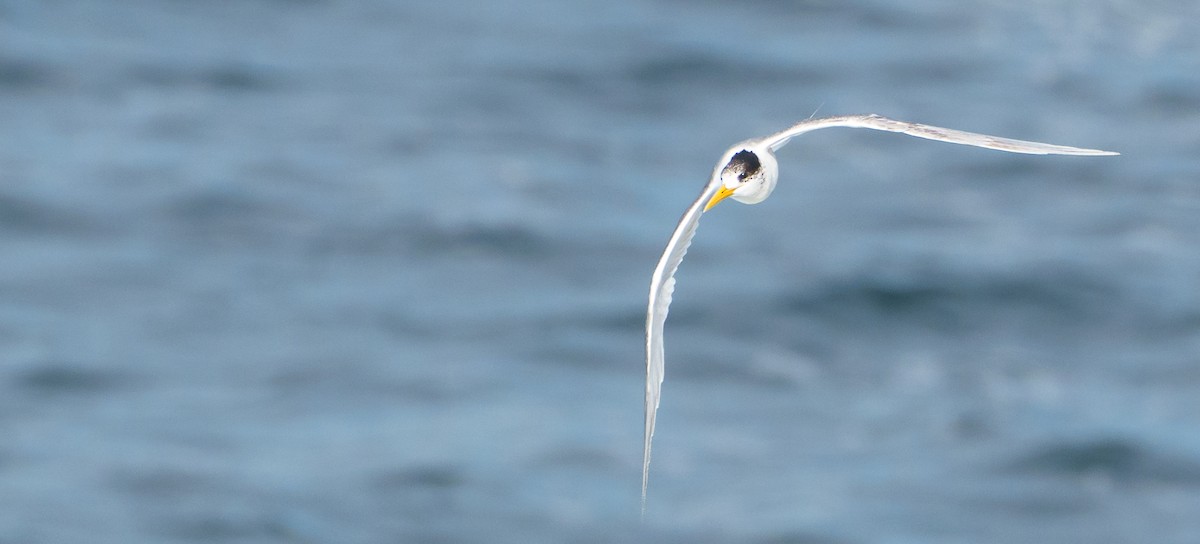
(748, 172)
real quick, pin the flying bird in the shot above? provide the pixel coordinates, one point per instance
(747, 173)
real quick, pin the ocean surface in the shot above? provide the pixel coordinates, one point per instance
(323, 271)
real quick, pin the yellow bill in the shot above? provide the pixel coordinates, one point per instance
(722, 194)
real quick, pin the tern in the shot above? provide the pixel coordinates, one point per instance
(747, 173)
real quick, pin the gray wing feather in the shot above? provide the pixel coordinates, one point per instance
(662, 285)
(929, 132)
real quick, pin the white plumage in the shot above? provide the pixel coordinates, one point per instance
(747, 172)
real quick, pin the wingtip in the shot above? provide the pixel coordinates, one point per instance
(645, 481)
(1086, 152)
(642, 516)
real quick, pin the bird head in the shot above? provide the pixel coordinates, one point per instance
(748, 174)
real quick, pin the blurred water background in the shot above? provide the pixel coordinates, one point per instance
(357, 272)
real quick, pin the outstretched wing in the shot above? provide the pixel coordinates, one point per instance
(662, 284)
(878, 122)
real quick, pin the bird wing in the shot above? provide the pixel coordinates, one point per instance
(662, 284)
(879, 122)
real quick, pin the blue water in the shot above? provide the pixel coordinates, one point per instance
(359, 272)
